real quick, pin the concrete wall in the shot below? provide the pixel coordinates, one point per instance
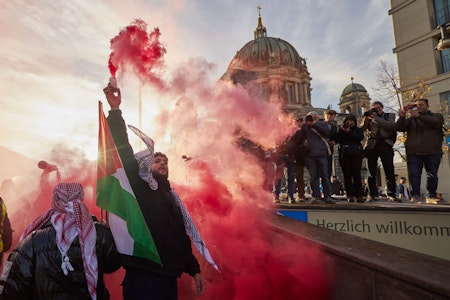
(371, 270)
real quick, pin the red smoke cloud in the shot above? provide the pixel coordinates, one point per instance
(222, 185)
(254, 263)
(135, 50)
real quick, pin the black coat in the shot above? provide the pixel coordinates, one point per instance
(36, 267)
(162, 215)
(351, 138)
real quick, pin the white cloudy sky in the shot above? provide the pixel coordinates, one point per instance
(54, 53)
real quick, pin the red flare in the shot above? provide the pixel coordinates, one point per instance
(133, 49)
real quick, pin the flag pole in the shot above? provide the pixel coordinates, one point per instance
(100, 111)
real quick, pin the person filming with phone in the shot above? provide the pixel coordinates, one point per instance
(423, 147)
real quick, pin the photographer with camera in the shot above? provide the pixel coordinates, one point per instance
(423, 147)
(381, 136)
(351, 155)
(316, 159)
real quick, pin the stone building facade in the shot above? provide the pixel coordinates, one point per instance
(416, 33)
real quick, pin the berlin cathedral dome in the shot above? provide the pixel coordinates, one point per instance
(272, 70)
(267, 51)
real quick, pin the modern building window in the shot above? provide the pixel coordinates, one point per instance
(445, 58)
(445, 107)
(442, 11)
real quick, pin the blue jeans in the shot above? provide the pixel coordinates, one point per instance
(318, 170)
(415, 165)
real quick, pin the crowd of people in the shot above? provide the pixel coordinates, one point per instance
(373, 139)
(65, 252)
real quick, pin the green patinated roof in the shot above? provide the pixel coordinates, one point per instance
(353, 87)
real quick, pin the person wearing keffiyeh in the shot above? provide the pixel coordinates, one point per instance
(169, 223)
(63, 254)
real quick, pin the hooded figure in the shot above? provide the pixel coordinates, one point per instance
(351, 155)
(62, 254)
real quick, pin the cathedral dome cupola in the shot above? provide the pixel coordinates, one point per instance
(272, 69)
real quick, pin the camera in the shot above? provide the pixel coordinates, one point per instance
(411, 107)
(346, 125)
(309, 118)
(370, 111)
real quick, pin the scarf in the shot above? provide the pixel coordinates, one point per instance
(70, 218)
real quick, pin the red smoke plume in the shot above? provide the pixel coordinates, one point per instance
(135, 50)
(220, 184)
(254, 263)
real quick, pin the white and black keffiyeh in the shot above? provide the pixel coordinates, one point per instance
(193, 232)
(71, 218)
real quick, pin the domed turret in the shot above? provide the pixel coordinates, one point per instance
(353, 87)
(354, 99)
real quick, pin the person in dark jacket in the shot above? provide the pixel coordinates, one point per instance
(381, 137)
(145, 279)
(63, 254)
(423, 147)
(351, 155)
(300, 137)
(5, 230)
(292, 154)
(285, 172)
(316, 158)
(266, 157)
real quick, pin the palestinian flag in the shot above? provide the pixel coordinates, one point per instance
(115, 196)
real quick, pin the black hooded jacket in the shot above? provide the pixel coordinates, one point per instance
(36, 267)
(161, 213)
